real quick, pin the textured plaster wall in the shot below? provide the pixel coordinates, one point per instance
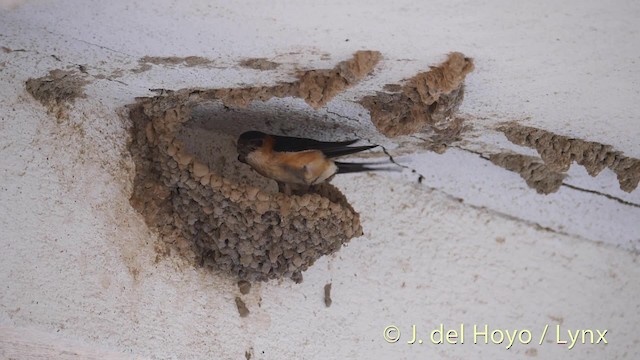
(452, 239)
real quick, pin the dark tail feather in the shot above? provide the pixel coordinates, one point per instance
(344, 168)
(341, 151)
(293, 144)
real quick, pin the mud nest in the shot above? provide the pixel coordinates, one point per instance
(237, 226)
(427, 100)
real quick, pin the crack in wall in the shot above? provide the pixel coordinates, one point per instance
(609, 196)
(510, 217)
(492, 211)
(599, 193)
(66, 37)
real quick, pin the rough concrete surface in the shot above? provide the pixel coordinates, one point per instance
(98, 248)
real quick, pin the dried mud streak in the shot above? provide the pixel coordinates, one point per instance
(239, 229)
(425, 100)
(438, 139)
(608, 196)
(58, 89)
(532, 169)
(259, 64)
(558, 152)
(144, 63)
(188, 61)
(327, 295)
(318, 87)
(392, 88)
(315, 87)
(242, 307)
(244, 287)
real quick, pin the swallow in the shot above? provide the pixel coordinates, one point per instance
(298, 161)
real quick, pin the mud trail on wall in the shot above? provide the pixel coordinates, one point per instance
(532, 169)
(57, 90)
(315, 87)
(559, 152)
(259, 64)
(144, 63)
(425, 100)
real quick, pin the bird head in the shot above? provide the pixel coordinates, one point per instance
(248, 142)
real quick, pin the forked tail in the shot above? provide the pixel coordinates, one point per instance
(344, 168)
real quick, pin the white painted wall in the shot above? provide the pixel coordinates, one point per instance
(70, 241)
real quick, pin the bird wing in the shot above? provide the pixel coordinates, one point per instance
(295, 144)
(345, 150)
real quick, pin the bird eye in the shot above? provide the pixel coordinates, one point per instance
(256, 143)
